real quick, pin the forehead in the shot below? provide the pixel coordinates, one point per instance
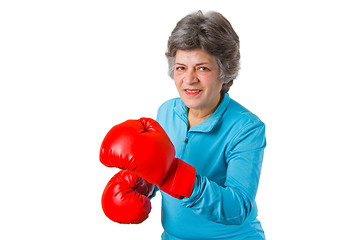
(194, 56)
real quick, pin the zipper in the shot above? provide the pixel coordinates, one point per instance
(186, 140)
(186, 137)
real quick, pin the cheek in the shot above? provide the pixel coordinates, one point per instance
(220, 85)
(176, 77)
(177, 83)
(214, 83)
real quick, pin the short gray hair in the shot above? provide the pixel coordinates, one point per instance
(213, 33)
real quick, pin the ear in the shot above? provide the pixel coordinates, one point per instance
(226, 86)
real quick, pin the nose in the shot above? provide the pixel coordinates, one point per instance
(190, 77)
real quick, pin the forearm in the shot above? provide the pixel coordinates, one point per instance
(226, 205)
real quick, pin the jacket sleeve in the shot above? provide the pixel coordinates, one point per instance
(232, 203)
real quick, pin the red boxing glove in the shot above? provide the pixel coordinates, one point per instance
(143, 147)
(125, 198)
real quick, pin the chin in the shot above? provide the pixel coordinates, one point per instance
(191, 104)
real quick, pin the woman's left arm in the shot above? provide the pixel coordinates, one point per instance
(233, 202)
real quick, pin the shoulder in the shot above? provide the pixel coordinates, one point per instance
(242, 125)
(169, 104)
(247, 131)
(166, 109)
(240, 116)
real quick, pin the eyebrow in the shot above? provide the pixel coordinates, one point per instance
(198, 64)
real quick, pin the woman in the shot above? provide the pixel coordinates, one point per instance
(224, 141)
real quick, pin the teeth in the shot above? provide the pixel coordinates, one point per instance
(192, 91)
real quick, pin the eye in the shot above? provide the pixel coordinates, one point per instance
(180, 68)
(204, 69)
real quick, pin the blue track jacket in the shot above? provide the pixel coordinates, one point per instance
(227, 151)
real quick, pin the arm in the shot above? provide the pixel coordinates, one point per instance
(233, 202)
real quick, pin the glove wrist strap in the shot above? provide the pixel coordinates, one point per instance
(180, 180)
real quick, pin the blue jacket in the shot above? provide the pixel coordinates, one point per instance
(227, 151)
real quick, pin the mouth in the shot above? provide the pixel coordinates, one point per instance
(192, 92)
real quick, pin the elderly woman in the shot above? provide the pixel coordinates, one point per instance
(223, 140)
(205, 157)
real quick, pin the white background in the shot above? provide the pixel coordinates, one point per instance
(70, 70)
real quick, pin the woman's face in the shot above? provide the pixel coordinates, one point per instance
(196, 78)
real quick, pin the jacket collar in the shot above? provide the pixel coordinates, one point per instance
(208, 124)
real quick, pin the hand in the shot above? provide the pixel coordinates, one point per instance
(126, 198)
(143, 147)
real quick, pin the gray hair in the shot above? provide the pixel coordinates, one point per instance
(213, 33)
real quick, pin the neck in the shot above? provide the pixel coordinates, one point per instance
(197, 116)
